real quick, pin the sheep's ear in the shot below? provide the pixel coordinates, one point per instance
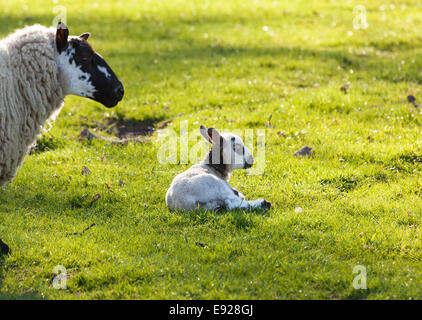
(61, 37)
(85, 36)
(214, 135)
(204, 132)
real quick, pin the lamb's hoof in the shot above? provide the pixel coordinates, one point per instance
(217, 209)
(4, 248)
(265, 204)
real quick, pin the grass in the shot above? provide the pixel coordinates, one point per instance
(273, 65)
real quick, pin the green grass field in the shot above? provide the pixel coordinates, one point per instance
(273, 65)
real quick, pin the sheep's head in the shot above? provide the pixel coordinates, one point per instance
(228, 152)
(84, 71)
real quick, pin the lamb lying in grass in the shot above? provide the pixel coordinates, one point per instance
(205, 185)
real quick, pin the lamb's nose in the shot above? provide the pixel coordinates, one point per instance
(119, 91)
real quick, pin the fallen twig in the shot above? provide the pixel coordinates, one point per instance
(201, 244)
(81, 233)
(88, 135)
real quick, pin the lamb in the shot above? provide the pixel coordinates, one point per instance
(205, 185)
(39, 66)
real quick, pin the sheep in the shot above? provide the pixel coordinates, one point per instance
(39, 66)
(205, 185)
(4, 248)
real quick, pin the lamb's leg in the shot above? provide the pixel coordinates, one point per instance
(239, 203)
(237, 193)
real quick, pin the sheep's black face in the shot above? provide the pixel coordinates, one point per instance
(108, 89)
(86, 72)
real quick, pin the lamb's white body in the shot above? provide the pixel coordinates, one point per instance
(31, 92)
(201, 186)
(206, 186)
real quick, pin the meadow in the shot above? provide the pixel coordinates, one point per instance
(298, 70)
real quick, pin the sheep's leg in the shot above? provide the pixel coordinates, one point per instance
(4, 248)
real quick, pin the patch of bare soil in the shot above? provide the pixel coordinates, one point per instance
(132, 128)
(123, 129)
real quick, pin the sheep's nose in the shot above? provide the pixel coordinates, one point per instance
(119, 91)
(249, 163)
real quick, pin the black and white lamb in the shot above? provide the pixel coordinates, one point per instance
(205, 185)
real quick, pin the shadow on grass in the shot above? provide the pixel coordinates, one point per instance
(12, 296)
(240, 219)
(65, 198)
(186, 46)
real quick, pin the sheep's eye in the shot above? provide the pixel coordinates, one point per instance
(85, 58)
(237, 148)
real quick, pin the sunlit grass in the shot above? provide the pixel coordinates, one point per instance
(233, 65)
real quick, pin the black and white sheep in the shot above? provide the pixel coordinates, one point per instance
(39, 66)
(205, 185)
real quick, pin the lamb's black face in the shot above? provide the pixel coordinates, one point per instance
(86, 72)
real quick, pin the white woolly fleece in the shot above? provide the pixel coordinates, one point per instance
(31, 91)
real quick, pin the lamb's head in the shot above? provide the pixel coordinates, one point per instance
(227, 152)
(84, 72)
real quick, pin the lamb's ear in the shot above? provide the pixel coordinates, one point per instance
(85, 36)
(204, 132)
(214, 135)
(61, 37)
